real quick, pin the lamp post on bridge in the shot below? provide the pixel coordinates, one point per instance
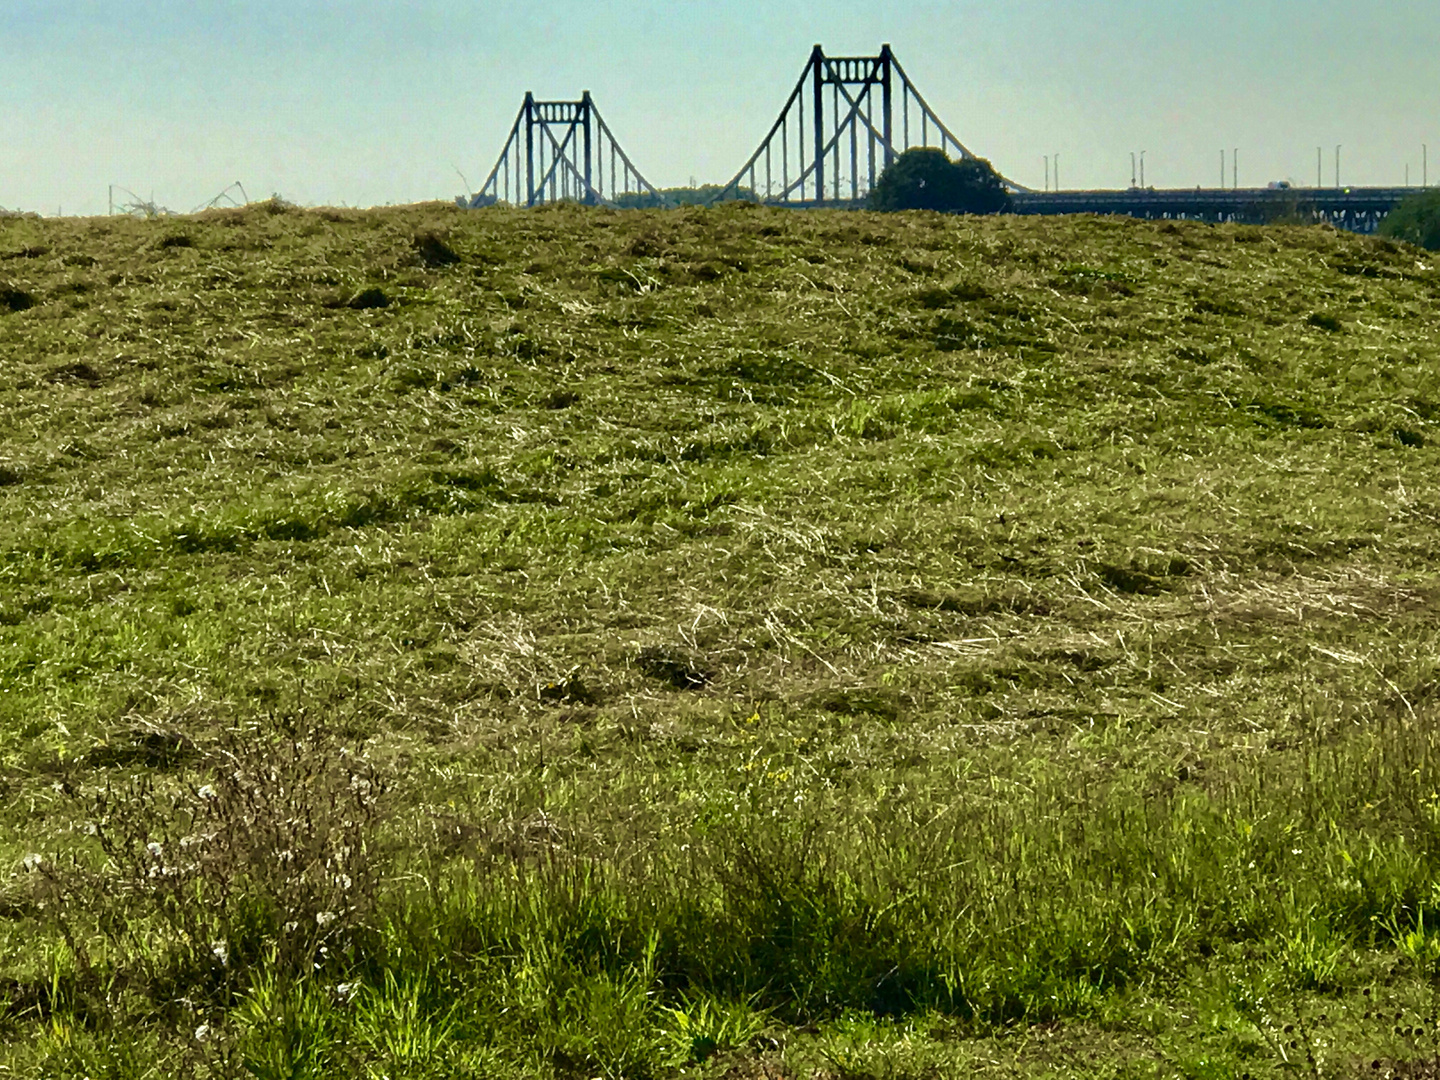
(1337, 165)
(1142, 168)
(1047, 172)
(1132, 168)
(1056, 158)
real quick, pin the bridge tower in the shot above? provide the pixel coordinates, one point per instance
(560, 151)
(846, 120)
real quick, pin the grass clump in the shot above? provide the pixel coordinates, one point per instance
(714, 642)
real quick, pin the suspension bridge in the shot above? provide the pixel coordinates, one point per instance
(847, 118)
(845, 121)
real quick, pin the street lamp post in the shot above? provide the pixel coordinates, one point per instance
(1235, 168)
(1132, 168)
(1337, 165)
(1319, 165)
(1056, 159)
(1142, 168)
(1047, 172)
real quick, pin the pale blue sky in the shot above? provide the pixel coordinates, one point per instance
(361, 102)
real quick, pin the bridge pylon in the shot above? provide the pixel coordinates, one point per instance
(560, 151)
(846, 120)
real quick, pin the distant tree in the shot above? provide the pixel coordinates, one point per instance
(1416, 219)
(926, 179)
(984, 191)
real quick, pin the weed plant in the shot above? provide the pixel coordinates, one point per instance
(715, 642)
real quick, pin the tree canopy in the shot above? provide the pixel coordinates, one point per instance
(926, 179)
(1416, 219)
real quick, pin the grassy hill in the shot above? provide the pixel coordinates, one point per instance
(726, 642)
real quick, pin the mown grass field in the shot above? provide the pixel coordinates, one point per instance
(729, 643)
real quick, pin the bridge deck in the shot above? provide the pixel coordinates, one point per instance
(1358, 209)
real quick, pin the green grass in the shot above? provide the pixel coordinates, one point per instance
(718, 642)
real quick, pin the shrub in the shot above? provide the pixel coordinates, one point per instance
(1416, 220)
(926, 179)
(274, 859)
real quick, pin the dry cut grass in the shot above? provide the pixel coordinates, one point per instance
(715, 642)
